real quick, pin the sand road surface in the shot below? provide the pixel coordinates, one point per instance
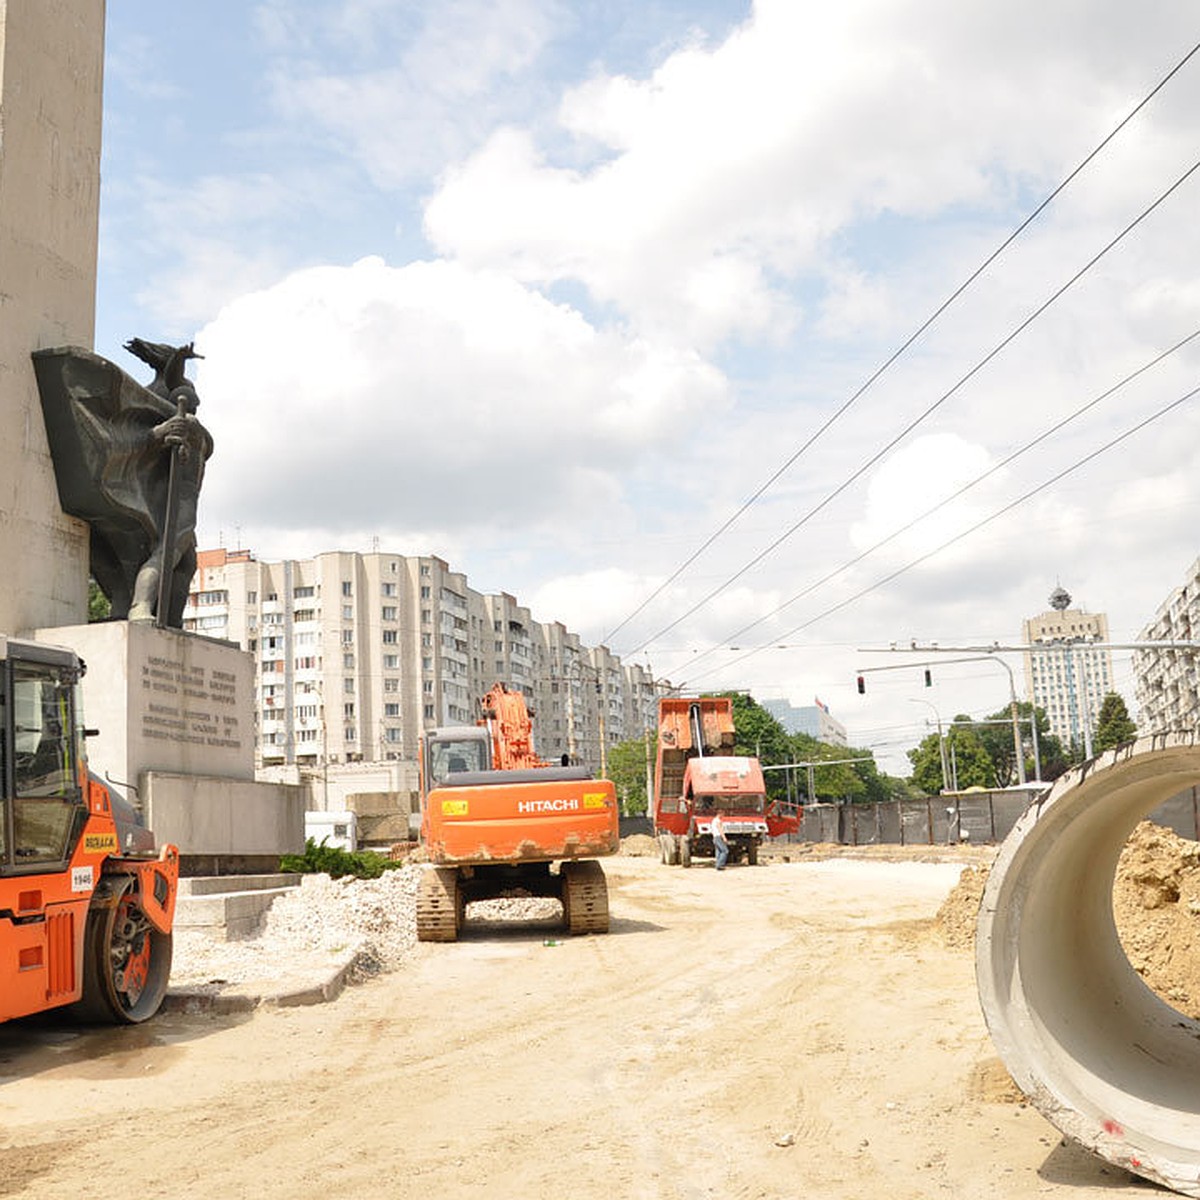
(795, 1029)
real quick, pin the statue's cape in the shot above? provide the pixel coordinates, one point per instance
(109, 472)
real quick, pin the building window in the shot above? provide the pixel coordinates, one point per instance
(391, 661)
(348, 711)
(391, 685)
(347, 588)
(347, 637)
(389, 612)
(348, 686)
(425, 569)
(426, 616)
(429, 712)
(348, 662)
(251, 597)
(389, 589)
(391, 710)
(390, 637)
(425, 592)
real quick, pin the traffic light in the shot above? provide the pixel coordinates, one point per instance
(928, 677)
(862, 685)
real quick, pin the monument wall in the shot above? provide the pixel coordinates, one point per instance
(49, 216)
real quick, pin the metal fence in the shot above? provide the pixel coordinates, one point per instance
(978, 817)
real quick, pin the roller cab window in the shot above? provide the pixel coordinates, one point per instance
(44, 794)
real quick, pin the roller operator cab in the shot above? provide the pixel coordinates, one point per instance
(495, 818)
(86, 905)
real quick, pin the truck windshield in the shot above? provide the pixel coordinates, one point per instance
(469, 754)
(753, 802)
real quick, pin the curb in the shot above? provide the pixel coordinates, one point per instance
(246, 997)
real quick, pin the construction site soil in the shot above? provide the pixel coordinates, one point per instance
(807, 1027)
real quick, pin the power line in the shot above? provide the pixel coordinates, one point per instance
(973, 529)
(932, 408)
(1041, 437)
(987, 262)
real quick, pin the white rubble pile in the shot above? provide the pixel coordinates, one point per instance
(321, 924)
(324, 923)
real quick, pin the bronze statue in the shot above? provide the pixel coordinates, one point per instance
(129, 459)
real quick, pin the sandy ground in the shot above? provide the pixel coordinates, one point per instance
(794, 1029)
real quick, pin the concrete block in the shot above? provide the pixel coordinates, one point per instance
(206, 816)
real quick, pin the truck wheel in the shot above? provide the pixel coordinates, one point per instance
(584, 897)
(752, 854)
(685, 852)
(126, 961)
(439, 905)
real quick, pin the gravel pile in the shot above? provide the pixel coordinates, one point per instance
(325, 923)
(319, 925)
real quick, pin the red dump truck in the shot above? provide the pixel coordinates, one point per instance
(697, 776)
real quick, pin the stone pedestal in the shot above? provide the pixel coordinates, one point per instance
(163, 700)
(175, 720)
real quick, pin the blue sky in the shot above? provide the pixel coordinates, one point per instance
(551, 289)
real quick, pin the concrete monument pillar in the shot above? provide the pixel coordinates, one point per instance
(51, 75)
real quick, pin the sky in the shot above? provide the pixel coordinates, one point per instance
(652, 314)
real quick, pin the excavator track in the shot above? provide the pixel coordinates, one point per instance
(584, 898)
(439, 905)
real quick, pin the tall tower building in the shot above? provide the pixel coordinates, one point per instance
(1066, 673)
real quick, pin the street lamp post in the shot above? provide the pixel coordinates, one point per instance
(941, 740)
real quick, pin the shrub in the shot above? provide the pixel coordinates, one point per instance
(336, 862)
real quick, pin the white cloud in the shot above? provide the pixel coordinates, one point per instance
(430, 397)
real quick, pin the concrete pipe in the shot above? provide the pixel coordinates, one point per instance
(1115, 1068)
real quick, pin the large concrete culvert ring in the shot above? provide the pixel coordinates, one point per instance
(1115, 1068)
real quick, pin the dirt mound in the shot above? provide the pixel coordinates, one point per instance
(1156, 903)
(1156, 899)
(956, 918)
(639, 845)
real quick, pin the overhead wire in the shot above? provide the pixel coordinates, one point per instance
(1057, 427)
(932, 408)
(904, 346)
(1007, 508)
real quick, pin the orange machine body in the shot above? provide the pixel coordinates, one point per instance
(494, 816)
(68, 849)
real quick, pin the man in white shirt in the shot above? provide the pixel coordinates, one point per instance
(720, 845)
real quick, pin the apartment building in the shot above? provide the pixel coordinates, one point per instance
(812, 719)
(356, 654)
(1165, 681)
(1068, 669)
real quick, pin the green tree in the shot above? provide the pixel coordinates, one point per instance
(99, 608)
(627, 770)
(968, 760)
(1113, 725)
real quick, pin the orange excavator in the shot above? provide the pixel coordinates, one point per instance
(87, 905)
(496, 817)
